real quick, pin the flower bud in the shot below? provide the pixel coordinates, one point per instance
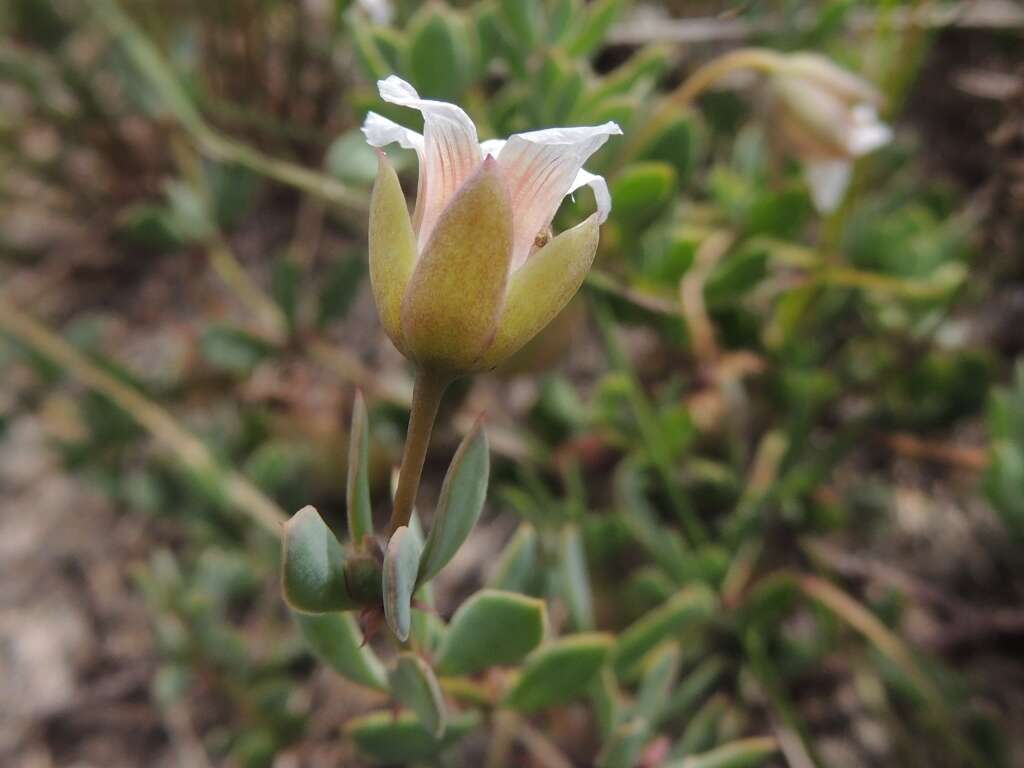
(828, 117)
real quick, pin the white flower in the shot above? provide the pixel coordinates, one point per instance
(829, 118)
(463, 297)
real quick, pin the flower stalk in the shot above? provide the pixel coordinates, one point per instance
(428, 390)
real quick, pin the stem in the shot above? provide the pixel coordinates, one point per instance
(426, 399)
(189, 449)
(757, 59)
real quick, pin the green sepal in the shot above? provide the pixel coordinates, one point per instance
(401, 563)
(559, 672)
(541, 288)
(357, 490)
(402, 740)
(413, 683)
(313, 566)
(458, 508)
(491, 628)
(392, 247)
(336, 640)
(450, 309)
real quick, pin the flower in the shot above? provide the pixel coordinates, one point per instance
(471, 276)
(829, 118)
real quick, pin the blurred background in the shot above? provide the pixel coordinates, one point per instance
(817, 414)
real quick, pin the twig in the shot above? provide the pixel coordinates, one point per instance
(962, 456)
(545, 751)
(244, 496)
(972, 15)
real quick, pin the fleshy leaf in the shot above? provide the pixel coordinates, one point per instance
(402, 740)
(559, 672)
(658, 681)
(336, 640)
(413, 683)
(575, 582)
(541, 288)
(392, 246)
(690, 606)
(313, 565)
(357, 491)
(641, 192)
(623, 747)
(489, 629)
(451, 306)
(459, 506)
(401, 562)
(516, 570)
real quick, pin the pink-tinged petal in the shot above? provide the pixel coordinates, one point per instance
(541, 168)
(602, 197)
(449, 155)
(492, 147)
(827, 180)
(379, 132)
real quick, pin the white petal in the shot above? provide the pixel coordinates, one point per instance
(867, 133)
(827, 180)
(380, 11)
(380, 132)
(601, 196)
(449, 154)
(541, 168)
(492, 147)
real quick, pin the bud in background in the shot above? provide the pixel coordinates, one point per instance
(828, 117)
(474, 274)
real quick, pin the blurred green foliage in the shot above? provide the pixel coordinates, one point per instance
(671, 500)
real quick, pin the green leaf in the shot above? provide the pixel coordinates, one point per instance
(688, 607)
(516, 570)
(439, 54)
(336, 640)
(523, 19)
(401, 562)
(641, 192)
(623, 747)
(678, 141)
(559, 672)
(744, 753)
(357, 490)
(600, 16)
(659, 679)
(575, 581)
(313, 565)
(691, 689)
(489, 629)
(459, 506)
(351, 159)
(413, 683)
(233, 350)
(403, 739)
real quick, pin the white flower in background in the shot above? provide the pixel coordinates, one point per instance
(379, 11)
(471, 277)
(829, 118)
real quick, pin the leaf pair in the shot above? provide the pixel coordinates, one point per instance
(409, 562)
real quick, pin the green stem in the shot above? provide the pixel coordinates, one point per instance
(426, 399)
(191, 451)
(757, 59)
